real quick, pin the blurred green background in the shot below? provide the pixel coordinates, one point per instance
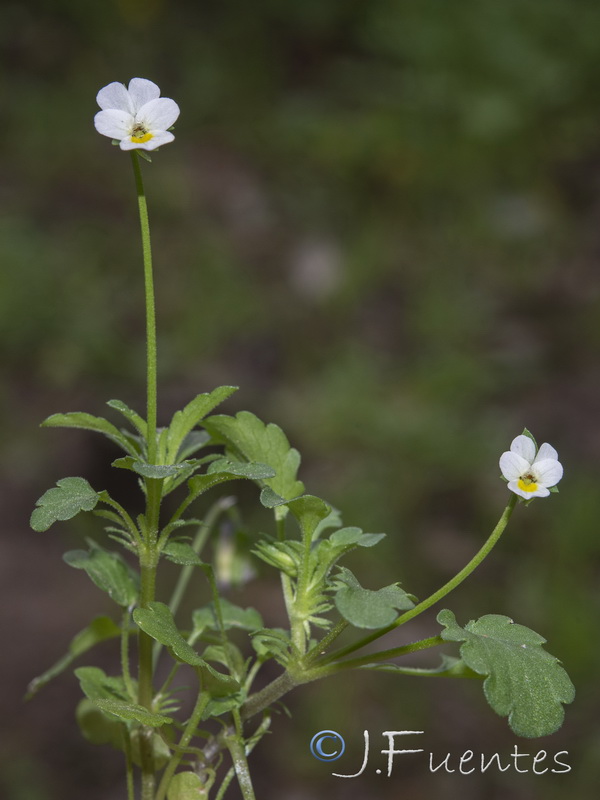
(380, 220)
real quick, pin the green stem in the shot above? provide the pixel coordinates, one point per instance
(382, 655)
(129, 764)
(250, 745)
(125, 654)
(186, 573)
(269, 695)
(145, 670)
(190, 729)
(151, 395)
(436, 596)
(237, 748)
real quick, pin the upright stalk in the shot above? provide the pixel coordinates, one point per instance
(148, 550)
(151, 394)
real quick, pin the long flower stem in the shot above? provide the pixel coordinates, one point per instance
(151, 393)
(441, 592)
(148, 551)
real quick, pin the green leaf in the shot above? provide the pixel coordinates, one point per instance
(272, 643)
(193, 442)
(131, 416)
(99, 629)
(354, 537)
(232, 471)
(157, 621)
(233, 616)
(524, 682)
(66, 500)
(157, 471)
(187, 786)
(109, 571)
(365, 608)
(309, 511)
(101, 728)
(248, 436)
(96, 727)
(182, 553)
(88, 422)
(97, 685)
(185, 421)
(241, 469)
(132, 712)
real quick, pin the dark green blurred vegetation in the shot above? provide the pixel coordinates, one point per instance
(380, 220)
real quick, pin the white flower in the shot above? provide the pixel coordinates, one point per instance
(530, 474)
(137, 116)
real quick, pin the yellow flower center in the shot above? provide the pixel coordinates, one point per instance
(139, 134)
(527, 483)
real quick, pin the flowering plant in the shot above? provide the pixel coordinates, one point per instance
(175, 754)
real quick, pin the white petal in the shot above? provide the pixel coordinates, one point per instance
(547, 472)
(546, 451)
(523, 446)
(162, 137)
(539, 492)
(115, 95)
(141, 91)
(158, 115)
(113, 123)
(512, 465)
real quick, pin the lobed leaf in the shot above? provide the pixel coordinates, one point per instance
(524, 682)
(250, 438)
(365, 608)
(65, 501)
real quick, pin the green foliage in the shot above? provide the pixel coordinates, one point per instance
(132, 712)
(524, 682)
(157, 621)
(131, 416)
(65, 501)
(88, 422)
(185, 421)
(365, 608)
(230, 616)
(249, 438)
(187, 786)
(99, 727)
(99, 630)
(181, 553)
(109, 571)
